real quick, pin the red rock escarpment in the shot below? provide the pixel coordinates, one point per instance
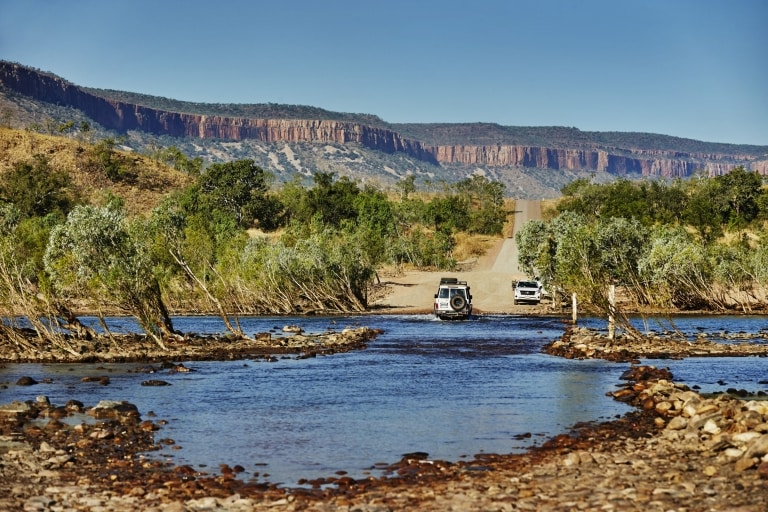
(122, 116)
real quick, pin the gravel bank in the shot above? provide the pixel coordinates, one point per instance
(679, 451)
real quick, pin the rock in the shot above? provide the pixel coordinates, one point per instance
(75, 406)
(745, 463)
(677, 423)
(15, 408)
(758, 447)
(26, 381)
(762, 470)
(113, 409)
(710, 427)
(155, 382)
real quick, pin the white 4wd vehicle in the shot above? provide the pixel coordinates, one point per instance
(453, 300)
(528, 291)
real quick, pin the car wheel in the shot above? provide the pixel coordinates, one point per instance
(458, 302)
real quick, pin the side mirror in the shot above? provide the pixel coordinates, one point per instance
(435, 295)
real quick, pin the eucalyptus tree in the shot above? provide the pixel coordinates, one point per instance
(536, 246)
(572, 254)
(620, 243)
(331, 199)
(205, 263)
(323, 271)
(99, 253)
(485, 204)
(239, 189)
(734, 274)
(759, 261)
(374, 228)
(173, 156)
(24, 296)
(37, 189)
(676, 270)
(742, 191)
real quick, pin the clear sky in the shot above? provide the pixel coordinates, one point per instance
(689, 68)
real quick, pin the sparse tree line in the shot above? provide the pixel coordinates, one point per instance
(231, 242)
(689, 245)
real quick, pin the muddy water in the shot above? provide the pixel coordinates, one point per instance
(451, 389)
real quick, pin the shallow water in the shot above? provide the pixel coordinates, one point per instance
(451, 389)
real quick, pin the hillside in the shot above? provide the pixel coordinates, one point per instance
(533, 162)
(143, 184)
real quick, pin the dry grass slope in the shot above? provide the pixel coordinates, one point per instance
(151, 183)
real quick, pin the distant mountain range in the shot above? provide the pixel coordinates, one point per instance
(533, 162)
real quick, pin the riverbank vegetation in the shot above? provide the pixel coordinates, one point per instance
(88, 227)
(698, 244)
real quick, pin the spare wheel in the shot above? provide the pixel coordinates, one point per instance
(458, 302)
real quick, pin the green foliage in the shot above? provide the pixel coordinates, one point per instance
(742, 190)
(732, 267)
(103, 158)
(706, 209)
(622, 198)
(450, 212)
(36, 189)
(536, 245)
(17, 245)
(758, 261)
(731, 201)
(178, 160)
(97, 252)
(573, 254)
(332, 200)
(709, 205)
(324, 271)
(407, 186)
(239, 190)
(660, 240)
(486, 200)
(676, 270)
(375, 227)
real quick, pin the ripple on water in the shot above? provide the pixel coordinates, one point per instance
(451, 389)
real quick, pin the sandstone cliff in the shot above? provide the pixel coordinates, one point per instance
(122, 116)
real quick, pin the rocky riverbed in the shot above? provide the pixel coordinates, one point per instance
(677, 451)
(120, 348)
(584, 343)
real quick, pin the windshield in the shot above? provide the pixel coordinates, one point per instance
(528, 284)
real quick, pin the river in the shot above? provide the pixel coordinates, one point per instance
(451, 389)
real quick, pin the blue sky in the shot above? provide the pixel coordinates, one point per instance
(689, 68)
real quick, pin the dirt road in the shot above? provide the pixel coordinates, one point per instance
(490, 278)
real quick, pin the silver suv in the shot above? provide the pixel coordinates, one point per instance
(453, 301)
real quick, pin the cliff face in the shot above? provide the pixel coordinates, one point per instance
(125, 116)
(646, 163)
